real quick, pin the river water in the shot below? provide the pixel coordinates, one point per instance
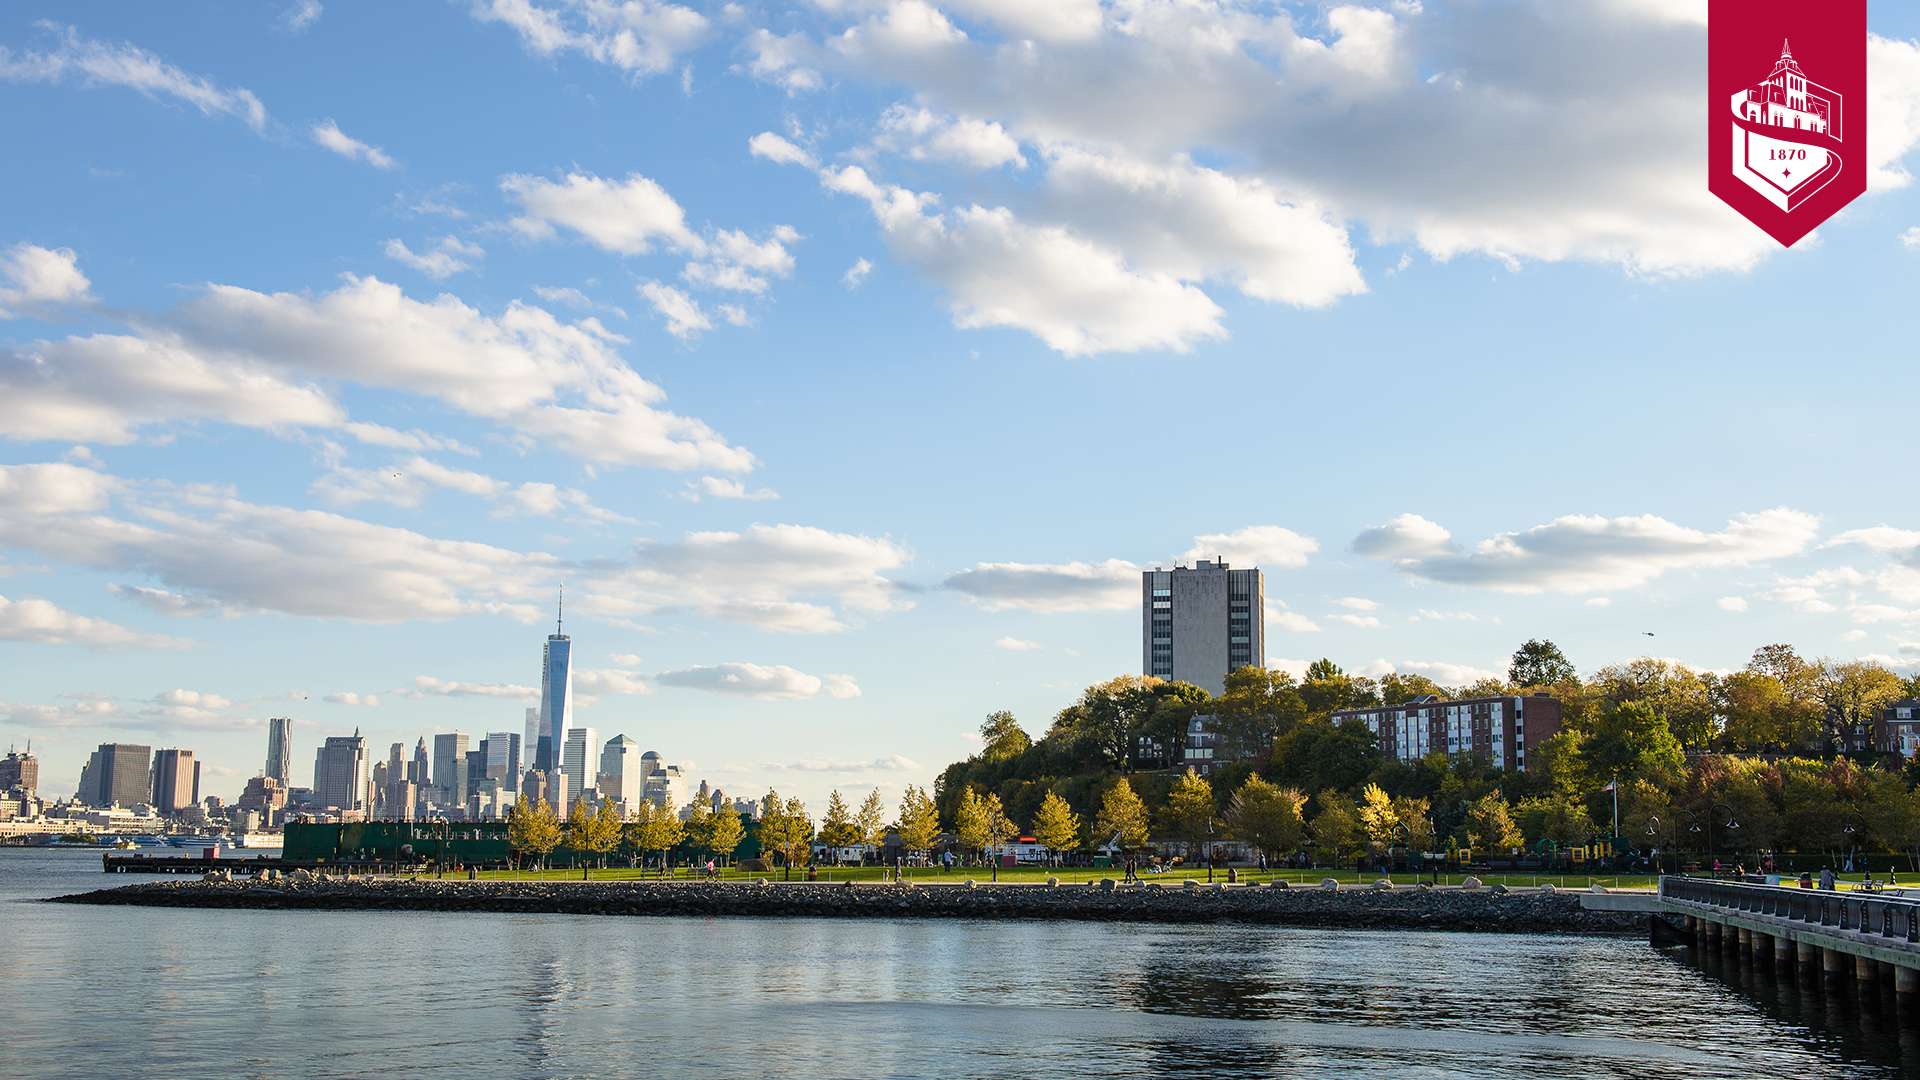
(153, 992)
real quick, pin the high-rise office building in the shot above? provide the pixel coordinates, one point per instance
(476, 770)
(20, 770)
(117, 774)
(450, 769)
(341, 773)
(577, 758)
(175, 781)
(665, 785)
(420, 769)
(1199, 623)
(556, 697)
(503, 758)
(280, 750)
(620, 777)
(530, 744)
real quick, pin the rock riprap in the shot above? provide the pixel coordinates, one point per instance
(1521, 912)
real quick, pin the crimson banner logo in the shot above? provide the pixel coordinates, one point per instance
(1787, 110)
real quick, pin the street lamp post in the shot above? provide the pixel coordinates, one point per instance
(1406, 844)
(1653, 830)
(1693, 826)
(1712, 852)
(1849, 828)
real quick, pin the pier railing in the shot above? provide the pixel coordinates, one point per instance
(1895, 919)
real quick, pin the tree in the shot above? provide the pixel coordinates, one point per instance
(919, 823)
(602, 831)
(1122, 819)
(1673, 690)
(1188, 815)
(1413, 813)
(656, 828)
(1000, 828)
(837, 829)
(1257, 706)
(1003, 737)
(970, 821)
(1267, 817)
(1377, 816)
(1107, 716)
(724, 835)
(531, 828)
(1852, 691)
(1325, 688)
(1397, 689)
(1489, 825)
(1539, 663)
(1320, 755)
(1630, 740)
(1557, 818)
(1335, 823)
(871, 821)
(786, 830)
(1056, 825)
(580, 826)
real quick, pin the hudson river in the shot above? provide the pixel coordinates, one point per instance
(153, 992)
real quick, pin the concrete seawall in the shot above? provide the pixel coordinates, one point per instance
(1484, 911)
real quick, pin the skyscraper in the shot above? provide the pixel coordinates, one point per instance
(419, 770)
(340, 773)
(280, 750)
(503, 758)
(556, 695)
(1197, 624)
(116, 775)
(176, 781)
(620, 771)
(20, 770)
(577, 758)
(530, 745)
(450, 769)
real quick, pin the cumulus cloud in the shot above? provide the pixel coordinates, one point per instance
(82, 711)
(1731, 603)
(96, 63)
(891, 763)
(685, 319)
(1446, 674)
(1585, 553)
(350, 698)
(781, 578)
(640, 37)
(1358, 603)
(257, 359)
(1050, 588)
(1911, 237)
(162, 602)
(1366, 621)
(328, 134)
(445, 259)
(624, 659)
(1255, 545)
(591, 684)
(576, 299)
(428, 686)
(760, 682)
(1292, 620)
(920, 134)
(407, 483)
(858, 272)
(1014, 644)
(38, 276)
(40, 621)
(722, 488)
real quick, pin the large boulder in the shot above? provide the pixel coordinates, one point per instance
(1330, 885)
(1470, 883)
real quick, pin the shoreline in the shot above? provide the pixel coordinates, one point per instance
(1449, 909)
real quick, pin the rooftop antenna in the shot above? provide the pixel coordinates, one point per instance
(560, 610)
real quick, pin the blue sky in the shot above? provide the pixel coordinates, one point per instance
(847, 362)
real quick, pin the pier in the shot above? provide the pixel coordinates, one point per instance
(1869, 937)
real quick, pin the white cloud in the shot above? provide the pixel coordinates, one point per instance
(1076, 586)
(245, 357)
(682, 312)
(1449, 674)
(86, 710)
(350, 698)
(892, 763)
(1255, 545)
(721, 488)
(624, 659)
(428, 686)
(40, 621)
(302, 14)
(769, 576)
(1585, 553)
(1856, 635)
(39, 276)
(919, 134)
(634, 216)
(1014, 644)
(858, 272)
(778, 150)
(407, 483)
(641, 37)
(760, 682)
(162, 602)
(1911, 237)
(95, 63)
(1358, 603)
(328, 134)
(1367, 621)
(1292, 620)
(447, 258)
(1893, 109)
(576, 299)
(591, 683)
(1731, 603)
(1599, 602)
(1803, 598)
(1295, 668)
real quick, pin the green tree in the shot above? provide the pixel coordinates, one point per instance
(1266, 816)
(656, 828)
(1852, 691)
(1539, 663)
(1558, 818)
(699, 824)
(1257, 706)
(1056, 825)
(1335, 824)
(1122, 819)
(1188, 815)
(1325, 688)
(1630, 740)
(919, 823)
(871, 821)
(970, 821)
(724, 835)
(1397, 689)
(1413, 813)
(1673, 690)
(837, 829)
(786, 830)
(580, 827)
(1377, 815)
(1489, 825)
(1000, 829)
(602, 831)
(531, 828)
(1002, 737)
(1320, 755)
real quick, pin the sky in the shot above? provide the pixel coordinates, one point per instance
(846, 363)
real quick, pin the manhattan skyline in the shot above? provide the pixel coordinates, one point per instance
(849, 390)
